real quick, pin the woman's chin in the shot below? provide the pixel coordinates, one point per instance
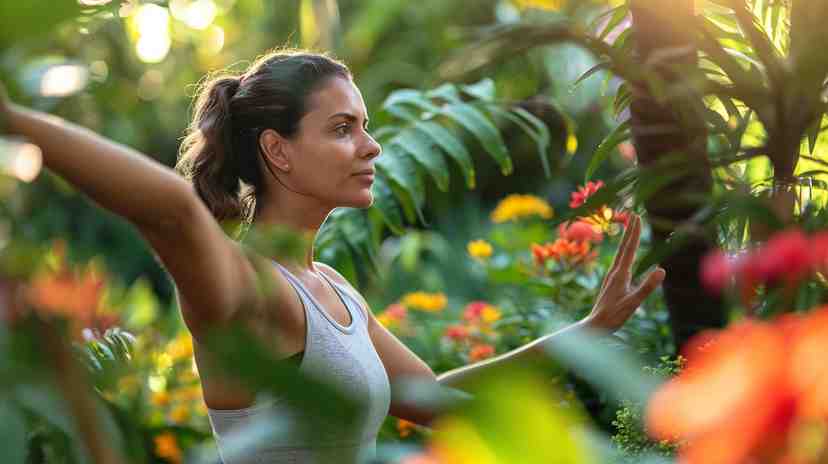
(362, 201)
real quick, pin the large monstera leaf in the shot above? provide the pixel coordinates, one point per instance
(430, 131)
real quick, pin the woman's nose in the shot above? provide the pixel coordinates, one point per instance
(373, 149)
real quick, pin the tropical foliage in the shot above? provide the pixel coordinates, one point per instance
(518, 136)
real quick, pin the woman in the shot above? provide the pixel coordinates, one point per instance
(293, 128)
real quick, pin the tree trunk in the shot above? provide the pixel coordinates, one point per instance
(680, 133)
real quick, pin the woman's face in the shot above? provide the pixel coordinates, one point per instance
(332, 155)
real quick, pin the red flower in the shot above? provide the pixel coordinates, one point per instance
(579, 198)
(580, 231)
(474, 310)
(457, 332)
(785, 257)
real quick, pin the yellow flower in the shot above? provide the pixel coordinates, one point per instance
(480, 249)
(180, 414)
(181, 347)
(552, 5)
(489, 314)
(515, 207)
(429, 302)
(160, 398)
(190, 393)
(166, 446)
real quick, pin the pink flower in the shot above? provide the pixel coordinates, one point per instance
(716, 271)
(579, 198)
(580, 231)
(785, 257)
(396, 311)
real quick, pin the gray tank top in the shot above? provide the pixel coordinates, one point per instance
(344, 357)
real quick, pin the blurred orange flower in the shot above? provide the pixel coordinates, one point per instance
(166, 446)
(764, 386)
(480, 352)
(405, 427)
(75, 294)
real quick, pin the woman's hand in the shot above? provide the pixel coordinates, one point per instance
(618, 299)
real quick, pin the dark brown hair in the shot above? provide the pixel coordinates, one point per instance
(219, 154)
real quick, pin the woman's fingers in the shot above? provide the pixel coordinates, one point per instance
(619, 256)
(628, 256)
(648, 285)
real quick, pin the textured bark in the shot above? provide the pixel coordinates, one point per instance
(680, 133)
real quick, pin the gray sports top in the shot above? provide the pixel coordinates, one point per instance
(343, 356)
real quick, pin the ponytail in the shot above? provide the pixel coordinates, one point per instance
(207, 155)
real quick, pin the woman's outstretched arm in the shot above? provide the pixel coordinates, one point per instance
(212, 273)
(116, 177)
(616, 302)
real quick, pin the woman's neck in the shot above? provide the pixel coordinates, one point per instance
(304, 216)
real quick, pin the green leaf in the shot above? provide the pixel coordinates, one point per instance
(447, 92)
(411, 97)
(387, 206)
(535, 128)
(618, 135)
(419, 146)
(453, 147)
(482, 90)
(604, 65)
(618, 16)
(813, 134)
(475, 122)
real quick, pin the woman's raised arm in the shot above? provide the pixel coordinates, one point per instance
(211, 271)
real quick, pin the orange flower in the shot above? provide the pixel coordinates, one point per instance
(480, 352)
(405, 427)
(166, 446)
(565, 251)
(75, 294)
(180, 414)
(764, 386)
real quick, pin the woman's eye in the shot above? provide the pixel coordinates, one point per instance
(343, 129)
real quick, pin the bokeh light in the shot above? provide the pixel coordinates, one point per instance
(63, 80)
(20, 159)
(197, 14)
(153, 25)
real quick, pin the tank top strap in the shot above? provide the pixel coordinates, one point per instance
(309, 301)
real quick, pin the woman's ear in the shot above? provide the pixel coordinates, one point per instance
(274, 147)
